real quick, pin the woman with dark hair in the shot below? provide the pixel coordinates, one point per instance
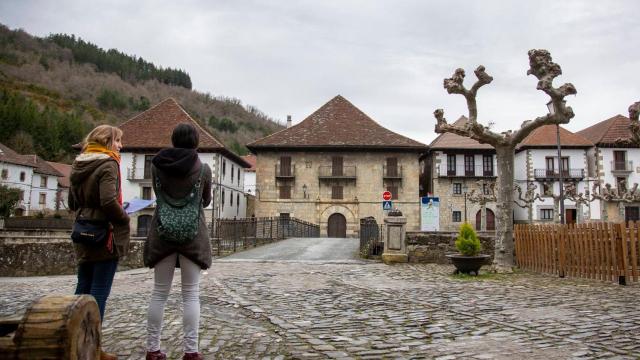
(96, 195)
(177, 172)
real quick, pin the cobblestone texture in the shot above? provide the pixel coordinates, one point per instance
(313, 310)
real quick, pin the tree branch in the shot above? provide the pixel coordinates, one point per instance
(474, 131)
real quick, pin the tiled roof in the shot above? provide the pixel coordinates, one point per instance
(43, 167)
(63, 169)
(608, 132)
(337, 124)
(454, 141)
(39, 166)
(250, 159)
(546, 136)
(152, 128)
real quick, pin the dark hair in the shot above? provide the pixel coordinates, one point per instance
(185, 136)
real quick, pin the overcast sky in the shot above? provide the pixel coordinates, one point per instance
(388, 58)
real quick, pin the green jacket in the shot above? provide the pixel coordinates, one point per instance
(94, 195)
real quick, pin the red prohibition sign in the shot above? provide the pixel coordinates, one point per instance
(386, 195)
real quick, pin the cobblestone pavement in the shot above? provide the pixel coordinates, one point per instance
(366, 310)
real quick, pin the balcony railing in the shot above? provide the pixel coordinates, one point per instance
(392, 172)
(462, 171)
(138, 173)
(574, 174)
(622, 166)
(343, 172)
(285, 172)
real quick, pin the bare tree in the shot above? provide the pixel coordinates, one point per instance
(545, 70)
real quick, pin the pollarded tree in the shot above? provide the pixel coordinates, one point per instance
(543, 68)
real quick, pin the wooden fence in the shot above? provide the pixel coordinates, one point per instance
(602, 251)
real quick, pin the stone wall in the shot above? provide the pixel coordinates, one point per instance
(431, 247)
(43, 252)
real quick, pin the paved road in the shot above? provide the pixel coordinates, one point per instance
(303, 249)
(366, 310)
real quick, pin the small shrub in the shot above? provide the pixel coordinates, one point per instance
(467, 242)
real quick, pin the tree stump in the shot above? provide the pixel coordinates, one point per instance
(54, 327)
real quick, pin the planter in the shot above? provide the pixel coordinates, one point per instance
(467, 264)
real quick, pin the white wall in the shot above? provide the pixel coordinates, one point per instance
(13, 181)
(250, 182)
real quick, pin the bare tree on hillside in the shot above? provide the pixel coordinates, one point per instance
(545, 70)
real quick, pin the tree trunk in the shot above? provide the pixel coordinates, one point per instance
(504, 223)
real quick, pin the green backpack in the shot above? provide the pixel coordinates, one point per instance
(178, 219)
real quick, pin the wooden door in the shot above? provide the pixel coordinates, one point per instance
(631, 213)
(491, 220)
(336, 166)
(285, 166)
(337, 226)
(570, 216)
(479, 220)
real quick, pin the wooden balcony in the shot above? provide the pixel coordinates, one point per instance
(571, 174)
(337, 173)
(477, 171)
(392, 172)
(285, 173)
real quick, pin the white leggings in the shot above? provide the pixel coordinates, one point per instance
(190, 273)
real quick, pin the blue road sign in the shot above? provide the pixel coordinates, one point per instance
(387, 205)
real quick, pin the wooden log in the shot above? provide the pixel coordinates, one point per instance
(59, 327)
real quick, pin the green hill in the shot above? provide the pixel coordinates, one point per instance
(53, 90)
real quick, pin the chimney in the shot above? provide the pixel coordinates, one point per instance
(288, 121)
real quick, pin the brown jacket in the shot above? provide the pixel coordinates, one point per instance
(198, 250)
(94, 195)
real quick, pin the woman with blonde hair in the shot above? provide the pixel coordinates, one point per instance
(96, 196)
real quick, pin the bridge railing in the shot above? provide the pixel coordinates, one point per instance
(231, 235)
(371, 238)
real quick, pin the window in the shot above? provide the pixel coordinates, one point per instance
(451, 164)
(146, 192)
(487, 165)
(394, 191)
(469, 165)
(336, 192)
(232, 174)
(285, 166)
(224, 168)
(43, 199)
(231, 197)
(565, 166)
(457, 188)
(22, 176)
(147, 166)
(21, 195)
(222, 199)
(238, 176)
(43, 181)
(546, 214)
(550, 164)
(5, 174)
(547, 189)
(238, 203)
(456, 216)
(392, 167)
(337, 163)
(285, 192)
(619, 160)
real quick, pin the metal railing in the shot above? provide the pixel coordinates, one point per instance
(626, 166)
(344, 172)
(138, 174)
(392, 172)
(285, 171)
(462, 171)
(554, 174)
(371, 238)
(232, 235)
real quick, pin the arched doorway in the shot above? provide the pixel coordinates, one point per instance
(337, 226)
(144, 222)
(491, 220)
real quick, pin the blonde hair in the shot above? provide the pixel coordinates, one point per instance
(103, 135)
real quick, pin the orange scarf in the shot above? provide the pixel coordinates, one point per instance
(95, 148)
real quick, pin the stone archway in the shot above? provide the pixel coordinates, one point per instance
(337, 226)
(345, 211)
(491, 220)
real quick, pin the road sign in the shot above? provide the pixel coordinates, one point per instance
(387, 205)
(386, 196)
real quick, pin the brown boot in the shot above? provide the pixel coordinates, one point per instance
(107, 356)
(156, 355)
(192, 356)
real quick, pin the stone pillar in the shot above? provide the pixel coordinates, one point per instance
(395, 244)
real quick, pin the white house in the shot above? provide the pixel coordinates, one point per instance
(615, 160)
(250, 175)
(536, 163)
(34, 177)
(147, 133)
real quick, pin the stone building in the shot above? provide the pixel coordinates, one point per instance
(332, 168)
(462, 169)
(611, 162)
(150, 131)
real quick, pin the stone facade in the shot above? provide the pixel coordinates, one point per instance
(362, 196)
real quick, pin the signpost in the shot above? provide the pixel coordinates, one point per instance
(387, 205)
(386, 196)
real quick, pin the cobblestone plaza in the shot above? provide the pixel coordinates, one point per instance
(367, 310)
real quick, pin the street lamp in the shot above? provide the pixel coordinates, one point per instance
(304, 191)
(552, 111)
(465, 188)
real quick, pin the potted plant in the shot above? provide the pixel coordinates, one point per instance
(469, 260)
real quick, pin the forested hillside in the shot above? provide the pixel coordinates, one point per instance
(53, 90)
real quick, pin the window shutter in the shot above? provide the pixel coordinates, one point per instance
(336, 192)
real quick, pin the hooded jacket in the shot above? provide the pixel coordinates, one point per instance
(178, 170)
(94, 195)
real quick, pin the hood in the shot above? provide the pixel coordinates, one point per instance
(85, 164)
(176, 161)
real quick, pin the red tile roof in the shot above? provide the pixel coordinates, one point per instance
(610, 132)
(250, 159)
(454, 141)
(337, 124)
(39, 166)
(151, 130)
(63, 169)
(546, 136)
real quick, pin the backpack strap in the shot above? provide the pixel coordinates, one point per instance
(160, 194)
